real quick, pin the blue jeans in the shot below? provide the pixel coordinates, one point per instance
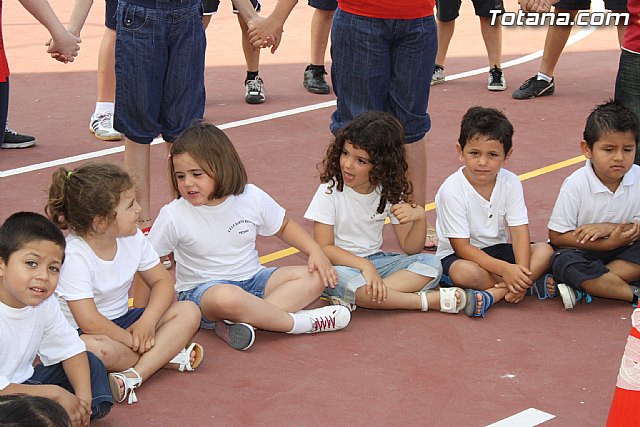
(160, 48)
(383, 65)
(628, 87)
(387, 263)
(101, 401)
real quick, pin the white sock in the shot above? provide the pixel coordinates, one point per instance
(301, 324)
(104, 107)
(543, 76)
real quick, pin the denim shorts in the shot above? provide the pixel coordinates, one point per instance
(110, 14)
(101, 400)
(160, 48)
(628, 87)
(350, 279)
(501, 251)
(328, 5)
(209, 7)
(449, 10)
(574, 266)
(616, 5)
(254, 286)
(383, 65)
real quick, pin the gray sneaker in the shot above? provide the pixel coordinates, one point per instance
(238, 335)
(532, 88)
(101, 125)
(438, 75)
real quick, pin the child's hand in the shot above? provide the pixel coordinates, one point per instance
(514, 298)
(265, 32)
(64, 48)
(408, 212)
(592, 232)
(375, 286)
(624, 234)
(144, 335)
(516, 277)
(319, 262)
(78, 410)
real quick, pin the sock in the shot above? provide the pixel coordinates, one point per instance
(251, 75)
(543, 76)
(316, 68)
(104, 107)
(301, 324)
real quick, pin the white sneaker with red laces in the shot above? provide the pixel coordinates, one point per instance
(327, 318)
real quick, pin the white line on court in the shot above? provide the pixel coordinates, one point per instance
(527, 418)
(581, 34)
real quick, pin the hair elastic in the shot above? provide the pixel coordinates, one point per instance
(69, 175)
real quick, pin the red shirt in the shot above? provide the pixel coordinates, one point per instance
(631, 39)
(389, 9)
(4, 67)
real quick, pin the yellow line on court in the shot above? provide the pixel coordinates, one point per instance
(527, 175)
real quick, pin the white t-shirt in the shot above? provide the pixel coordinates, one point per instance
(357, 226)
(25, 332)
(584, 199)
(216, 242)
(85, 275)
(463, 213)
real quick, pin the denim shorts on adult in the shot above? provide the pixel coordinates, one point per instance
(501, 251)
(383, 65)
(110, 13)
(324, 4)
(617, 5)
(448, 10)
(255, 286)
(350, 279)
(160, 48)
(574, 266)
(209, 7)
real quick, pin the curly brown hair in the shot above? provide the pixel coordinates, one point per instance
(382, 137)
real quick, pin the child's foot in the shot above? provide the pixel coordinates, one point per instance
(238, 335)
(123, 383)
(545, 287)
(447, 300)
(478, 302)
(189, 358)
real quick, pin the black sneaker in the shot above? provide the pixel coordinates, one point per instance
(533, 88)
(496, 80)
(254, 91)
(13, 139)
(314, 81)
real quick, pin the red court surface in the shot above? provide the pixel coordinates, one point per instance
(386, 368)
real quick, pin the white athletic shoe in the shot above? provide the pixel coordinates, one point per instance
(102, 126)
(328, 318)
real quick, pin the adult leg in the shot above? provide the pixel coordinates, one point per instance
(445, 34)
(320, 30)
(627, 90)
(492, 36)
(554, 43)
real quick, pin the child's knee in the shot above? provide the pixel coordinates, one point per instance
(466, 273)
(188, 311)
(102, 347)
(225, 299)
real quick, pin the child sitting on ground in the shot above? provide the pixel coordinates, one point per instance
(594, 223)
(212, 229)
(364, 182)
(105, 249)
(473, 205)
(31, 255)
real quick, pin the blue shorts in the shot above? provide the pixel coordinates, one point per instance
(110, 14)
(129, 318)
(501, 251)
(615, 5)
(254, 286)
(350, 279)
(329, 5)
(209, 7)
(160, 49)
(574, 266)
(449, 10)
(383, 65)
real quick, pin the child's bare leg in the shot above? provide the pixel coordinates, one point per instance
(137, 163)
(231, 302)
(115, 355)
(251, 55)
(540, 261)
(293, 288)
(406, 281)
(608, 285)
(400, 300)
(174, 331)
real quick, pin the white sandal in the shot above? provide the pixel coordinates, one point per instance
(448, 301)
(130, 384)
(183, 358)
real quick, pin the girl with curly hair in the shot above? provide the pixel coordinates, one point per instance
(364, 182)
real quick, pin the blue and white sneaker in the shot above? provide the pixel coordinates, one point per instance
(570, 297)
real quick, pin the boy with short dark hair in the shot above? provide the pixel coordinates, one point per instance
(473, 207)
(31, 323)
(594, 223)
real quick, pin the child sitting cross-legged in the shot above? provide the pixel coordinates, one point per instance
(105, 249)
(595, 221)
(474, 205)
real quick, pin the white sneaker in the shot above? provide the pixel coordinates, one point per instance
(328, 318)
(102, 126)
(254, 91)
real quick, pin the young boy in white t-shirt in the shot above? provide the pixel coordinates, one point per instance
(31, 254)
(594, 223)
(473, 207)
